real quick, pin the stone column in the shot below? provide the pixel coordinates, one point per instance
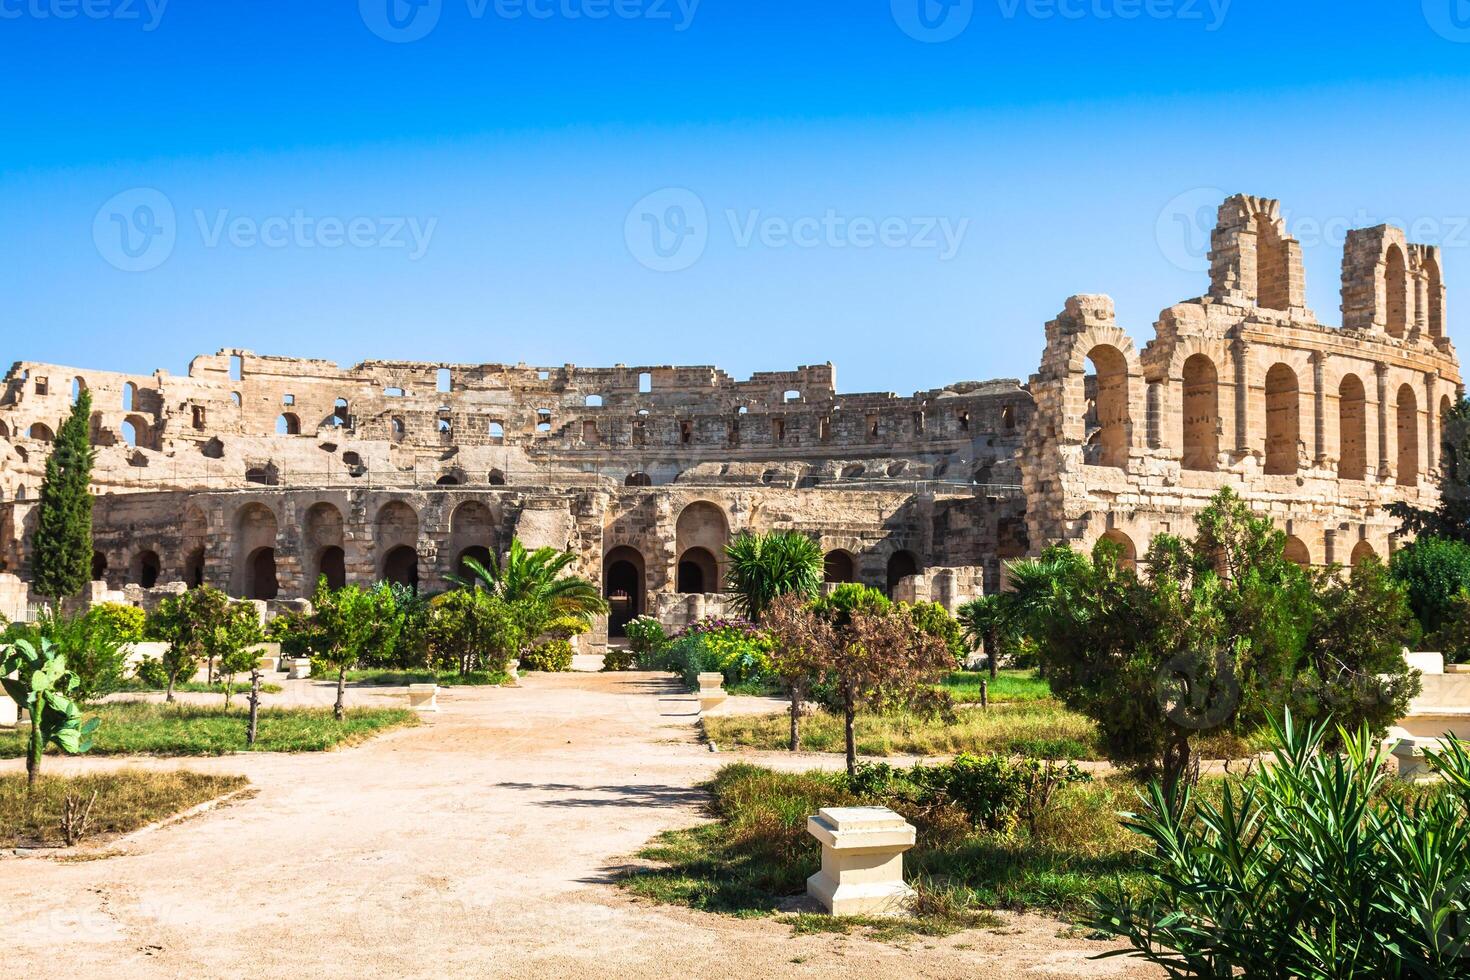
(1319, 411)
(1242, 399)
(1385, 468)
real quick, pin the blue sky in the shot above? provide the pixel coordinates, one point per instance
(909, 196)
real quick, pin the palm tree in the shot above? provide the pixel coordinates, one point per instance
(535, 578)
(765, 566)
(992, 622)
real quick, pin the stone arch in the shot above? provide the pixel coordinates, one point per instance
(838, 566)
(145, 568)
(255, 552)
(1434, 316)
(1352, 428)
(698, 571)
(638, 480)
(1297, 553)
(1108, 420)
(702, 527)
(288, 424)
(1283, 420)
(1406, 408)
(323, 536)
(1362, 552)
(129, 396)
(194, 568)
(1201, 436)
(1273, 265)
(396, 526)
(196, 533)
(134, 431)
(901, 564)
(1396, 288)
(401, 566)
(471, 534)
(41, 432)
(1129, 556)
(624, 586)
(99, 567)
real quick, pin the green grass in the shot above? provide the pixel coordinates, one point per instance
(1036, 728)
(126, 800)
(757, 853)
(152, 728)
(377, 676)
(136, 685)
(1010, 686)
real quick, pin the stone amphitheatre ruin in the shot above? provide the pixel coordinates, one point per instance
(259, 474)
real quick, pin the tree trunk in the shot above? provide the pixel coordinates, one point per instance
(992, 647)
(168, 694)
(795, 716)
(1176, 767)
(254, 727)
(209, 670)
(37, 746)
(337, 710)
(849, 720)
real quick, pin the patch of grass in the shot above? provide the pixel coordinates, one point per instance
(757, 854)
(126, 800)
(1011, 686)
(1043, 729)
(377, 676)
(135, 685)
(151, 728)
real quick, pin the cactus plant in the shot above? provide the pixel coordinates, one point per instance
(43, 686)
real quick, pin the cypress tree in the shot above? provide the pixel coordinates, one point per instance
(61, 547)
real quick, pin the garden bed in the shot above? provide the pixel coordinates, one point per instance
(151, 728)
(383, 677)
(127, 800)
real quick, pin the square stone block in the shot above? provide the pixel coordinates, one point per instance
(9, 711)
(423, 697)
(711, 690)
(862, 860)
(299, 669)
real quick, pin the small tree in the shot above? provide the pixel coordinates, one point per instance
(762, 567)
(471, 629)
(43, 687)
(884, 661)
(233, 643)
(61, 547)
(188, 623)
(991, 622)
(350, 621)
(804, 646)
(1433, 571)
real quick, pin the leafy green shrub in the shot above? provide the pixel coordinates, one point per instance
(126, 623)
(294, 631)
(935, 620)
(731, 647)
(153, 673)
(553, 656)
(646, 635)
(1434, 570)
(1453, 636)
(91, 642)
(1305, 869)
(994, 792)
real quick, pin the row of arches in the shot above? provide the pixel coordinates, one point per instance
(1296, 550)
(1108, 420)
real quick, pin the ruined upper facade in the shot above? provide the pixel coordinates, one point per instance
(261, 473)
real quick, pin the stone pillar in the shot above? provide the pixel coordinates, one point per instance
(1431, 426)
(1385, 468)
(1242, 399)
(1319, 411)
(862, 860)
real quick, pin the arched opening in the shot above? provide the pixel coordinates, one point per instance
(339, 414)
(447, 480)
(495, 478)
(1296, 552)
(1352, 429)
(1435, 284)
(1408, 437)
(623, 588)
(129, 396)
(638, 480)
(698, 571)
(702, 525)
(401, 567)
(134, 431)
(99, 567)
(1363, 552)
(471, 535)
(1107, 415)
(900, 566)
(261, 571)
(1129, 556)
(477, 553)
(331, 565)
(41, 432)
(78, 385)
(1201, 414)
(838, 567)
(287, 424)
(194, 568)
(144, 569)
(1396, 284)
(324, 534)
(1283, 425)
(1273, 279)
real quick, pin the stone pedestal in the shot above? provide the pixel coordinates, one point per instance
(513, 671)
(423, 697)
(9, 711)
(269, 655)
(711, 690)
(299, 668)
(1410, 755)
(862, 860)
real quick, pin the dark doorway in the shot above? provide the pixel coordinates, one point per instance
(194, 569)
(401, 566)
(261, 575)
(697, 572)
(838, 567)
(146, 569)
(332, 566)
(622, 586)
(99, 566)
(475, 552)
(900, 566)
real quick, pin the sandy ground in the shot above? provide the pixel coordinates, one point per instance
(481, 844)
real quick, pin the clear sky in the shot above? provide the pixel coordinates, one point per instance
(908, 188)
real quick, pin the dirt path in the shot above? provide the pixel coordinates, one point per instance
(480, 844)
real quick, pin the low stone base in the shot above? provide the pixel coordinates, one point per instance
(298, 669)
(862, 860)
(423, 697)
(711, 690)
